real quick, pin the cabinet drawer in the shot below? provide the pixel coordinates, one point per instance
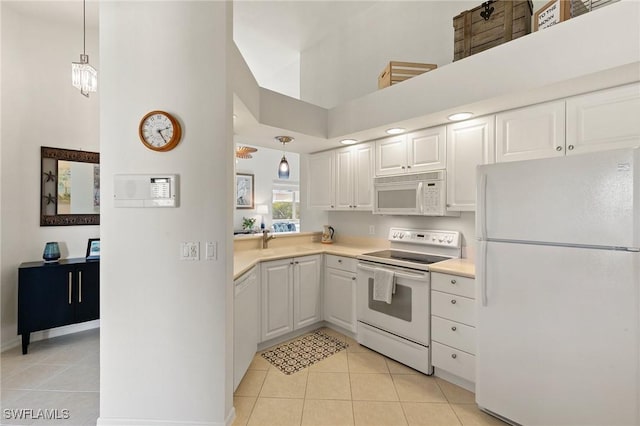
(454, 334)
(456, 308)
(342, 262)
(462, 286)
(454, 361)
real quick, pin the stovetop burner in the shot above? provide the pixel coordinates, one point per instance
(408, 256)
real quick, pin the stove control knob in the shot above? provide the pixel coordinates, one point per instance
(395, 235)
(401, 236)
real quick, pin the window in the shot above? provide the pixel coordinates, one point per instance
(285, 208)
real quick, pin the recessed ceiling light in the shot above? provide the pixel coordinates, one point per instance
(395, 130)
(348, 141)
(460, 116)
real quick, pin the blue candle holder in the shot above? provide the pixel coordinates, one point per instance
(51, 252)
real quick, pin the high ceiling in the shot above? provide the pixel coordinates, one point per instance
(271, 34)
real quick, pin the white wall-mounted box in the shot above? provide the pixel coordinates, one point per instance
(145, 190)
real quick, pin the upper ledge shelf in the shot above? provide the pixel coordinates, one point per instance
(556, 62)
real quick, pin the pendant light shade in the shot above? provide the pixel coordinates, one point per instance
(283, 167)
(84, 77)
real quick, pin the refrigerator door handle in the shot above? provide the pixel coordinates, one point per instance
(481, 272)
(481, 215)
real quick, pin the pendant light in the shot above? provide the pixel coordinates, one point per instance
(283, 167)
(83, 76)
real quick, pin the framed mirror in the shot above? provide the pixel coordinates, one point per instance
(70, 187)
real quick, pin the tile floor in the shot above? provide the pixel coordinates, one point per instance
(353, 387)
(62, 373)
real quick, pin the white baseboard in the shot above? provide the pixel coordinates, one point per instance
(54, 332)
(102, 421)
(456, 380)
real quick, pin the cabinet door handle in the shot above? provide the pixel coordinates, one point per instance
(79, 286)
(70, 280)
(570, 147)
(353, 278)
(408, 167)
(296, 262)
(403, 167)
(558, 148)
(454, 328)
(454, 356)
(453, 301)
(339, 260)
(453, 281)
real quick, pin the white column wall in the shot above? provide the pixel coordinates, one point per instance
(166, 336)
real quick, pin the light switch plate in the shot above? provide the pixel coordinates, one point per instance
(190, 251)
(211, 250)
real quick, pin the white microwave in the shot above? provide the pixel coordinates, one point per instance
(422, 194)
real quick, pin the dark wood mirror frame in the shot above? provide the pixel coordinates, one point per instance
(49, 179)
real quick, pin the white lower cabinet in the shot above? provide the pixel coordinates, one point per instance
(246, 323)
(340, 291)
(453, 330)
(291, 295)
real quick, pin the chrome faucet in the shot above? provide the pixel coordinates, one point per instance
(265, 238)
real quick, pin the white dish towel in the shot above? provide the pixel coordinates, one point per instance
(384, 285)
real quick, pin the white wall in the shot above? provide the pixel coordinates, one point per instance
(166, 337)
(39, 108)
(346, 64)
(357, 224)
(264, 166)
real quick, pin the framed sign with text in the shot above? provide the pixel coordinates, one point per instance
(552, 13)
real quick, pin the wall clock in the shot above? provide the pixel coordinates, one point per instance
(159, 131)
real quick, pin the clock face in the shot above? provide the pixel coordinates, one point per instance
(159, 131)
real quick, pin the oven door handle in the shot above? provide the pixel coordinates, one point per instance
(401, 273)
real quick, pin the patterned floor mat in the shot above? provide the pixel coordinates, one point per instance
(304, 351)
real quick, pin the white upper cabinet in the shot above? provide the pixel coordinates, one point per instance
(420, 151)
(531, 132)
(321, 180)
(391, 155)
(469, 144)
(354, 180)
(607, 119)
(426, 150)
(344, 179)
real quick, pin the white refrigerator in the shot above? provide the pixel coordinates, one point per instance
(558, 289)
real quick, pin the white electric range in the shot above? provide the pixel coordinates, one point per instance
(401, 329)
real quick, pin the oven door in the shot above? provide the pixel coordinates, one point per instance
(408, 314)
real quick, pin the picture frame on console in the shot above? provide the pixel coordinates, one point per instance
(93, 249)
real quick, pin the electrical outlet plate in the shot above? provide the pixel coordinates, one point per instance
(372, 230)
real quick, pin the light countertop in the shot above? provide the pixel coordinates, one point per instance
(243, 260)
(462, 267)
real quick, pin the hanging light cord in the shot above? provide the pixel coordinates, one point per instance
(84, 27)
